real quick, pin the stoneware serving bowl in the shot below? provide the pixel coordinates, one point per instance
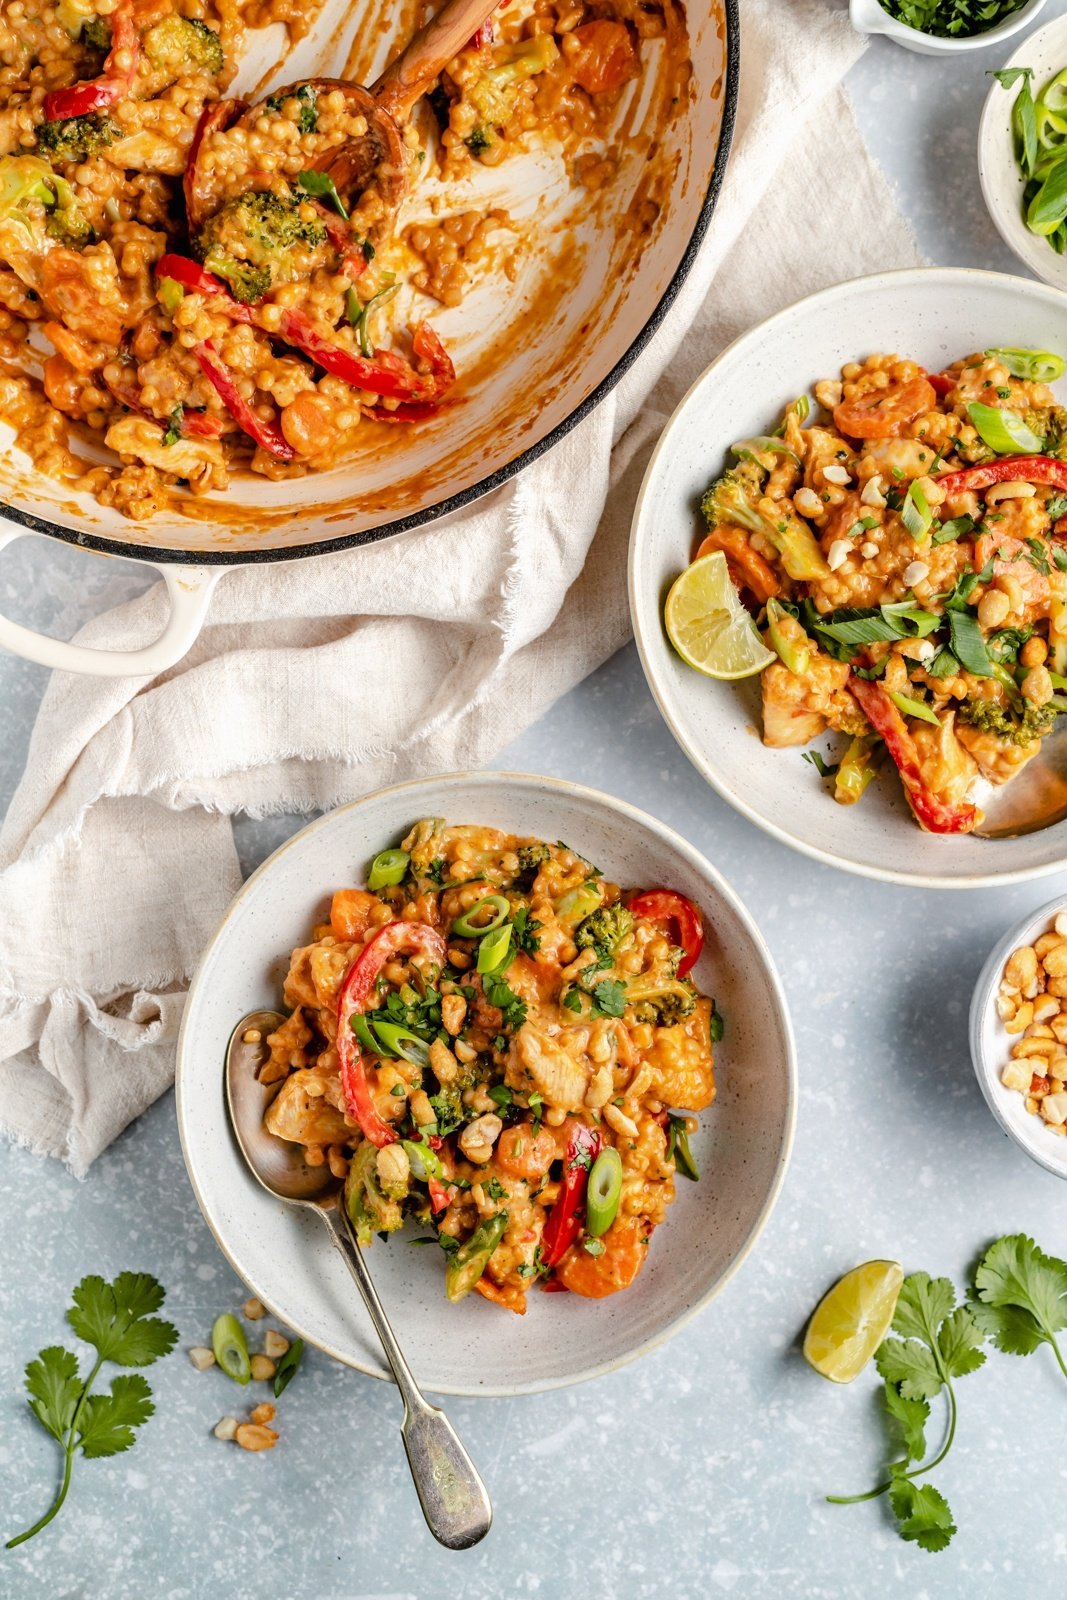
(534, 355)
(998, 171)
(285, 1256)
(867, 16)
(991, 1047)
(934, 315)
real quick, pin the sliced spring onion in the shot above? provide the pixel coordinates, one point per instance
(424, 1162)
(466, 1265)
(400, 1041)
(902, 619)
(1040, 366)
(762, 444)
(801, 409)
(485, 915)
(387, 868)
(968, 644)
(603, 1193)
(1004, 430)
(915, 513)
(361, 1029)
(678, 1148)
(855, 772)
(231, 1348)
(912, 707)
(1048, 208)
(792, 655)
(494, 949)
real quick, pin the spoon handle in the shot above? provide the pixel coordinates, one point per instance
(453, 1497)
(432, 48)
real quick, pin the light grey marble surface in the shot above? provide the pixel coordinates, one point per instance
(701, 1470)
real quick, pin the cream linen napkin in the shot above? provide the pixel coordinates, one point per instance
(317, 681)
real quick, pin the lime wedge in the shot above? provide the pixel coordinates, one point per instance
(708, 625)
(850, 1322)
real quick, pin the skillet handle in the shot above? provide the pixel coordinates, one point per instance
(190, 590)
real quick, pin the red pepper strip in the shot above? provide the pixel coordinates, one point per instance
(1030, 469)
(386, 374)
(935, 815)
(222, 381)
(97, 94)
(440, 1197)
(553, 1286)
(941, 383)
(340, 235)
(218, 114)
(428, 347)
(192, 276)
(358, 989)
(482, 36)
(665, 905)
(563, 1223)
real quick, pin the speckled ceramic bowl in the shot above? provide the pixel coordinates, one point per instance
(286, 1257)
(998, 171)
(991, 1047)
(935, 315)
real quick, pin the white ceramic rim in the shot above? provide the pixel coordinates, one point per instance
(813, 304)
(982, 1002)
(862, 15)
(641, 819)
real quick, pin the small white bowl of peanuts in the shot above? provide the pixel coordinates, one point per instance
(1019, 1034)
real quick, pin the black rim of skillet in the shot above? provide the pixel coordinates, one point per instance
(159, 556)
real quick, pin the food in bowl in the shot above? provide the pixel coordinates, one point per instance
(951, 19)
(906, 557)
(1032, 1004)
(190, 285)
(1039, 131)
(493, 1040)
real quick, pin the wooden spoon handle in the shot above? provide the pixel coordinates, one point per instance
(432, 48)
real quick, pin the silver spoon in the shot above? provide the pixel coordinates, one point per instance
(1035, 798)
(453, 1497)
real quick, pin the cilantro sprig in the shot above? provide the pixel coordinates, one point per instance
(116, 1319)
(1022, 1297)
(940, 1341)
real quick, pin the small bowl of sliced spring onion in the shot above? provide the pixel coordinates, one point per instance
(1022, 153)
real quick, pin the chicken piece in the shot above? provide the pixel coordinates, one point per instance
(538, 1061)
(822, 448)
(199, 461)
(997, 759)
(682, 1062)
(900, 461)
(305, 1118)
(945, 765)
(797, 709)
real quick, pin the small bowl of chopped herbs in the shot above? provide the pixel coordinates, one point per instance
(939, 27)
(1022, 152)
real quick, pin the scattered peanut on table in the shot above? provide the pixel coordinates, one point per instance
(1032, 1004)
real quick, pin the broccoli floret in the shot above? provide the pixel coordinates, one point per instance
(604, 929)
(36, 205)
(371, 1209)
(479, 139)
(1005, 723)
(448, 1109)
(96, 33)
(493, 95)
(736, 500)
(1050, 424)
(661, 1003)
(531, 859)
(248, 242)
(75, 138)
(307, 98)
(178, 46)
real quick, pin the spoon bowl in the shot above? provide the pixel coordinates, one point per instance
(453, 1497)
(1036, 798)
